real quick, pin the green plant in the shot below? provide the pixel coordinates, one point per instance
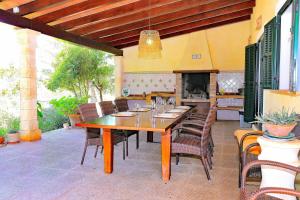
(3, 132)
(282, 117)
(39, 110)
(51, 120)
(76, 68)
(13, 123)
(67, 105)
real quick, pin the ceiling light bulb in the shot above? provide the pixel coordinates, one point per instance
(149, 41)
(16, 10)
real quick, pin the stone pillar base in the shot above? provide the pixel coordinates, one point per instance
(30, 136)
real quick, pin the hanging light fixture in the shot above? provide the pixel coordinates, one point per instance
(150, 43)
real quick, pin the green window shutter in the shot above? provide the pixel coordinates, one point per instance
(270, 71)
(250, 84)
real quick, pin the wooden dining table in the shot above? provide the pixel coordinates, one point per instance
(141, 121)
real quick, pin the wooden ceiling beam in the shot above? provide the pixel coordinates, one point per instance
(15, 20)
(123, 11)
(167, 20)
(95, 10)
(188, 26)
(50, 17)
(53, 7)
(143, 16)
(33, 6)
(9, 4)
(236, 20)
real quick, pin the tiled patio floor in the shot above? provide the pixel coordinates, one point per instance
(50, 169)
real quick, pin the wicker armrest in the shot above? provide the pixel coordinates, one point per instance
(247, 151)
(265, 162)
(275, 190)
(191, 131)
(193, 124)
(196, 118)
(244, 137)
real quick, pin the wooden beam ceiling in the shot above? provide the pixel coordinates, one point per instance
(240, 19)
(8, 4)
(154, 12)
(174, 23)
(196, 13)
(22, 22)
(184, 26)
(101, 23)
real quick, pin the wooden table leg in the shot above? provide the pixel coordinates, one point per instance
(166, 155)
(108, 151)
(149, 136)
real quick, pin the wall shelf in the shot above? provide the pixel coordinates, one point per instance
(233, 108)
(230, 97)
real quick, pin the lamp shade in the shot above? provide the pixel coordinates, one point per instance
(150, 44)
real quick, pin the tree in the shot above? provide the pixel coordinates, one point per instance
(103, 81)
(77, 67)
(9, 78)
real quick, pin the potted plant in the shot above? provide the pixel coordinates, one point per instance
(13, 137)
(279, 123)
(68, 106)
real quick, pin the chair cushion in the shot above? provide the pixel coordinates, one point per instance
(248, 140)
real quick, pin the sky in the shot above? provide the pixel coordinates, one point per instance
(8, 45)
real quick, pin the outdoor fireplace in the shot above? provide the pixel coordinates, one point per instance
(195, 85)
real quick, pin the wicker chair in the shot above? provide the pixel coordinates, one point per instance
(107, 108)
(122, 105)
(249, 150)
(193, 126)
(190, 144)
(262, 193)
(89, 112)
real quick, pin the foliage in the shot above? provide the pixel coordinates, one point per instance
(67, 105)
(14, 124)
(3, 132)
(9, 76)
(52, 120)
(39, 110)
(76, 68)
(282, 117)
(103, 80)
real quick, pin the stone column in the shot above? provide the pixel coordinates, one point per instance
(119, 73)
(28, 87)
(213, 88)
(178, 88)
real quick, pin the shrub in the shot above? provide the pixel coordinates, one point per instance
(67, 105)
(13, 124)
(3, 132)
(51, 120)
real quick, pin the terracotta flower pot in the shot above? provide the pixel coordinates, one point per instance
(74, 119)
(280, 130)
(1, 140)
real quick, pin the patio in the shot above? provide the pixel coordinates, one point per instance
(50, 169)
(233, 65)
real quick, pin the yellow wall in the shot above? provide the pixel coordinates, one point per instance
(274, 100)
(220, 48)
(264, 10)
